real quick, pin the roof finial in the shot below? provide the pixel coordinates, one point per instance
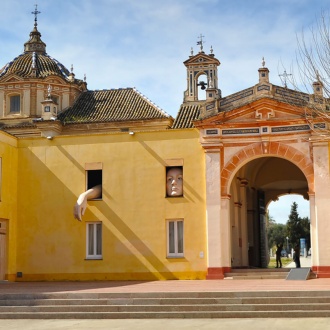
(285, 78)
(49, 91)
(263, 62)
(211, 50)
(35, 13)
(200, 43)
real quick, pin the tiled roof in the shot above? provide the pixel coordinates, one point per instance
(187, 114)
(125, 104)
(44, 65)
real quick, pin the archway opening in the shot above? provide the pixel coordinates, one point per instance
(253, 187)
(289, 225)
(202, 86)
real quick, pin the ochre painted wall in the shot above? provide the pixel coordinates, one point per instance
(8, 200)
(133, 210)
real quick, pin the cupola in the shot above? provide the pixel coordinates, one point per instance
(202, 76)
(35, 44)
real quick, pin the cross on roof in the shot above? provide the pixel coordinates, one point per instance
(200, 43)
(35, 13)
(285, 77)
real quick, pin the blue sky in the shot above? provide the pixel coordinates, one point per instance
(280, 210)
(143, 43)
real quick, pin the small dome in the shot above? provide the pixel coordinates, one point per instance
(35, 62)
(35, 65)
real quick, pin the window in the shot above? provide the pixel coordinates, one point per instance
(94, 240)
(174, 181)
(175, 238)
(15, 104)
(94, 178)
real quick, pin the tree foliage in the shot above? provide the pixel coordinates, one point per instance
(294, 229)
(276, 235)
(297, 227)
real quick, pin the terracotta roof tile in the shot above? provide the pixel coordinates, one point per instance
(44, 64)
(187, 114)
(111, 105)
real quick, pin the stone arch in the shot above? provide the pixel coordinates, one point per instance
(259, 149)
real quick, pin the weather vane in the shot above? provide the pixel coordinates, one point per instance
(285, 77)
(200, 42)
(35, 13)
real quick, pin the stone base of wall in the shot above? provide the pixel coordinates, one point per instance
(321, 271)
(217, 273)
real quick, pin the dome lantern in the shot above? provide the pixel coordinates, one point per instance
(35, 44)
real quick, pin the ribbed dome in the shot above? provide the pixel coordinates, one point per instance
(35, 62)
(35, 65)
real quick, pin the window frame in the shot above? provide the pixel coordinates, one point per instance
(92, 180)
(176, 239)
(94, 242)
(168, 168)
(11, 98)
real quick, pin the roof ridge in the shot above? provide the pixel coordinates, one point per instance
(152, 103)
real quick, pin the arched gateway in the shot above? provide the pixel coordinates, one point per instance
(249, 162)
(259, 145)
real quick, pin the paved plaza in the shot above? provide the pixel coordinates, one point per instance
(169, 286)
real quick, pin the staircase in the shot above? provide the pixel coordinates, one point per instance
(293, 304)
(260, 273)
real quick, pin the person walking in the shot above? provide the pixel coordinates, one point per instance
(278, 255)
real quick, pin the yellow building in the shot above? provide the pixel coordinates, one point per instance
(236, 155)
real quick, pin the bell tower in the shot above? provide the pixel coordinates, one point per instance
(202, 76)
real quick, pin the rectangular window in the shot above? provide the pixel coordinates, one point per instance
(174, 181)
(94, 240)
(175, 238)
(94, 176)
(15, 104)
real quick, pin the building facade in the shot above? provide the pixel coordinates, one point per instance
(235, 154)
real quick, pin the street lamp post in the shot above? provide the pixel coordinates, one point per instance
(287, 244)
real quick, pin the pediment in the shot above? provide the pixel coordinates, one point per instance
(202, 58)
(12, 78)
(265, 110)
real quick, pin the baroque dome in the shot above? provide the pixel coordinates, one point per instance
(35, 62)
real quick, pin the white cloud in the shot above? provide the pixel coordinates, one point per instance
(143, 44)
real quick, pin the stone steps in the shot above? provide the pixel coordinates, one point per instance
(294, 304)
(255, 274)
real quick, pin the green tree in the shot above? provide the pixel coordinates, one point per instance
(270, 221)
(297, 227)
(276, 234)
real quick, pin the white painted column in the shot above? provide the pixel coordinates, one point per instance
(212, 168)
(313, 228)
(225, 233)
(321, 221)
